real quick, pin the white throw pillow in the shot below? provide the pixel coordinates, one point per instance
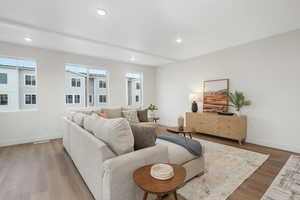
(70, 115)
(116, 133)
(89, 122)
(78, 118)
(131, 116)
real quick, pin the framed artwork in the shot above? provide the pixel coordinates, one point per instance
(215, 95)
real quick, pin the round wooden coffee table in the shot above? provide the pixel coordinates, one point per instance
(184, 131)
(148, 184)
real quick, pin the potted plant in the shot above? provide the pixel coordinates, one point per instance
(152, 108)
(238, 101)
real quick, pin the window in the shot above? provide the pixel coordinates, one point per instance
(84, 84)
(102, 84)
(19, 77)
(137, 85)
(30, 99)
(69, 99)
(77, 98)
(30, 80)
(134, 91)
(75, 82)
(3, 78)
(102, 99)
(3, 99)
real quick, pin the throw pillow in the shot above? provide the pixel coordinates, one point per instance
(112, 112)
(116, 133)
(144, 136)
(131, 116)
(89, 122)
(103, 115)
(143, 115)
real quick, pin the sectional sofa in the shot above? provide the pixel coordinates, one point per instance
(108, 175)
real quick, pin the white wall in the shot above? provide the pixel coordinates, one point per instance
(27, 126)
(267, 71)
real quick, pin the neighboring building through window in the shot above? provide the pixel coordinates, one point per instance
(30, 99)
(3, 99)
(3, 78)
(102, 99)
(134, 91)
(85, 84)
(15, 77)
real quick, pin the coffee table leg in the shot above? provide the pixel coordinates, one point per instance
(191, 135)
(145, 196)
(175, 195)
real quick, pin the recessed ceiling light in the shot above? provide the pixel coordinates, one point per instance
(101, 12)
(27, 39)
(178, 40)
(132, 58)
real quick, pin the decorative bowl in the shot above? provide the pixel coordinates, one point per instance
(162, 171)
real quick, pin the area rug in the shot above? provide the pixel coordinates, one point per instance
(286, 185)
(226, 168)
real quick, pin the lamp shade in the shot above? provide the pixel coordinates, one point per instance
(198, 97)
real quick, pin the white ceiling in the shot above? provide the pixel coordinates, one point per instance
(145, 29)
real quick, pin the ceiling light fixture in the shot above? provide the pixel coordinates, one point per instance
(27, 39)
(178, 40)
(132, 58)
(101, 12)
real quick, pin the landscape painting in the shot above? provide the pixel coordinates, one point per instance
(215, 95)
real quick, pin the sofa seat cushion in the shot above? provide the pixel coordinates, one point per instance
(177, 154)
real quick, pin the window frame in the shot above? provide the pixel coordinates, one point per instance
(31, 80)
(31, 99)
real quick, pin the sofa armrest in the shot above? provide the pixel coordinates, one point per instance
(118, 182)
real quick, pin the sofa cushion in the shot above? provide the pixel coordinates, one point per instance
(70, 115)
(78, 118)
(143, 115)
(116, 133)
(112, 112)
(131, 116)
(144, 136)
(177, 154)
(89, 122)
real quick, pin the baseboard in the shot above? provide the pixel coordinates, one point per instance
(27, 140)
(286, 147)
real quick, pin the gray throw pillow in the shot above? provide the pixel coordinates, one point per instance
(144, 136)
(143, 115)
(112, 112)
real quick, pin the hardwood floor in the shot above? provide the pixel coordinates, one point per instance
(46, 172)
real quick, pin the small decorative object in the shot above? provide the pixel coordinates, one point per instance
(162, 171)
(226, 113)
(180, 123)
(152, 108)
(215, 95)
(194, 106)
(238, 100)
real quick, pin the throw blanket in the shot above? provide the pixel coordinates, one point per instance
(193, 146)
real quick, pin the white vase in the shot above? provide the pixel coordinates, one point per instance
(238, 113)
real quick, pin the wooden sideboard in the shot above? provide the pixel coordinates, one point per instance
(232, 127)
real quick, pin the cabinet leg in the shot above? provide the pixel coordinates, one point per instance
(145, 196)
(240, 142)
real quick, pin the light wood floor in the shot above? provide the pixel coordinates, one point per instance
(45, 172)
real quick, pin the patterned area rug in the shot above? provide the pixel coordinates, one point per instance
(286, 185)
(226, 168)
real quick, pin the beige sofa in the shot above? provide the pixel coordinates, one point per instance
(108, 176)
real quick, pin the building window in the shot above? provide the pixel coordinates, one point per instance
(69, 99)
(137, 85)
(3, 99)
(133, 87)
(19, 78)
(30, 99)
(30, 80)
(75, 82)
(3, 78)
(102, 84)
(102, 99)
(87, 83)
(77, 99)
